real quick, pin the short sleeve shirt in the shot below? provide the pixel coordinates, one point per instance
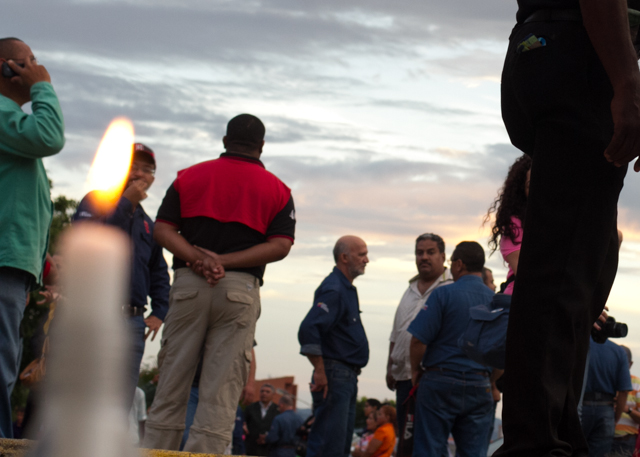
(444, 318)
(608, 369)
(507, 246)
(227, 205)
(387, 435)
(411, 302)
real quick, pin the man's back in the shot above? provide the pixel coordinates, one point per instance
(228, 204)
(608, 369)
(444, 318)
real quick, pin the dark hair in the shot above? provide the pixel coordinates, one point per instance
(373, 403)
(510, 202)
(245, 133)
(485, 270)
(6, 45)
(433, 237)
(471, 254)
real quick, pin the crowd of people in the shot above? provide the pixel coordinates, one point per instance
(554, 223)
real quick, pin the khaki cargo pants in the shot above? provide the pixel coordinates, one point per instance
(219, 323)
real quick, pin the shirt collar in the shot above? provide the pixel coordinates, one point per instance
(242, 157)
(343, 278)
(445, 276)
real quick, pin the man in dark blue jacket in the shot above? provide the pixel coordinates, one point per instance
(282, 435)
(149, 271)
(333, 338)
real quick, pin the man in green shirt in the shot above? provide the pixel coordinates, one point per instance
(25, 206)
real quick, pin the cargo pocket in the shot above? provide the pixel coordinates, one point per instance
(181, 306)
(244, 310)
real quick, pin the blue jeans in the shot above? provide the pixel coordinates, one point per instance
(14, 288)
(138, 328)
(457, 404)
(191, 413)
(598, 426)
(402, 393)
(332, 431)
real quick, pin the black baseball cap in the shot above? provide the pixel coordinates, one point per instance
(245, 129)
(144, 152)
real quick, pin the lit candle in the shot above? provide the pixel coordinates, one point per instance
(84, 411)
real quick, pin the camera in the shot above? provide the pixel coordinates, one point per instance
(609, 329)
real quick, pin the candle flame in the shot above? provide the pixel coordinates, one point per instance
(110, 168)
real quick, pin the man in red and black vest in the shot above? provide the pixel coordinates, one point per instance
(240, 217)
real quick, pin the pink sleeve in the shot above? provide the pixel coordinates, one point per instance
(506, 245)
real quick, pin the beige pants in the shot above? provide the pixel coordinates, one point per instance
(219, 323)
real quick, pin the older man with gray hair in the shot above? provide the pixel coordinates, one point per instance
(333, 338)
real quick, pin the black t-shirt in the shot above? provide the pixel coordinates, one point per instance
(527, 7)
(227, 205)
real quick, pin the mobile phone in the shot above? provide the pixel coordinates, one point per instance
(7, 72)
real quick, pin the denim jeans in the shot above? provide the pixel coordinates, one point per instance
(598, 426)
(457, 404)
(402, 393)
(14, 288)
(332, 430)
(138, 328)
(191, 413)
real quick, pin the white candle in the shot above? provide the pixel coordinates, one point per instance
(85, 384)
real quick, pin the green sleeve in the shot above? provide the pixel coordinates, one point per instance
(35, 135)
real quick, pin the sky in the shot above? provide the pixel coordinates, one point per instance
(383, 118)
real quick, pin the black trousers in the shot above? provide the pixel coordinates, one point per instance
(556, 107)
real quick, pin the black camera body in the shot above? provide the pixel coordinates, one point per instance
(609, 329)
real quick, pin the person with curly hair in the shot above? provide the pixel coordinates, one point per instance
(510, 207)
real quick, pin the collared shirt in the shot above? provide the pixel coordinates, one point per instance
(411, 302)
(26, 209)
(284, 428)
(227, 205)
(264, 409)
(608, 369)
(332, 327)
(444, 318)
(149, 270)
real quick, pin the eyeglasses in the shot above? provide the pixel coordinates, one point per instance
(147, 170)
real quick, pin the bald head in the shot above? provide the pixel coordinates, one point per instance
(7, 47)
(350, 254)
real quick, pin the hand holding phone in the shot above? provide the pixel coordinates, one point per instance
(7, 72)
(26, 74)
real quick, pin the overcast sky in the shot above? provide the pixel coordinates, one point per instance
(383, 117)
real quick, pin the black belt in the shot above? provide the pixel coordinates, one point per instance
(555, 15)
(355, 368)
(446, 370)
(132, 311)
(598, 396)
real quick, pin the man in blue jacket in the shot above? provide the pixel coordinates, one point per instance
(282, 435)
(454, 396)
(149, 271)
(25, 208)
(333, 338)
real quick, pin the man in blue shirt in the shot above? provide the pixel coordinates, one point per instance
(608, 377)
(149, 271)
(333, 338)
(282, 435)
(454, 396)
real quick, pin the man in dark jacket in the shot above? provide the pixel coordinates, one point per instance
(258, 418)
(149, 270)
